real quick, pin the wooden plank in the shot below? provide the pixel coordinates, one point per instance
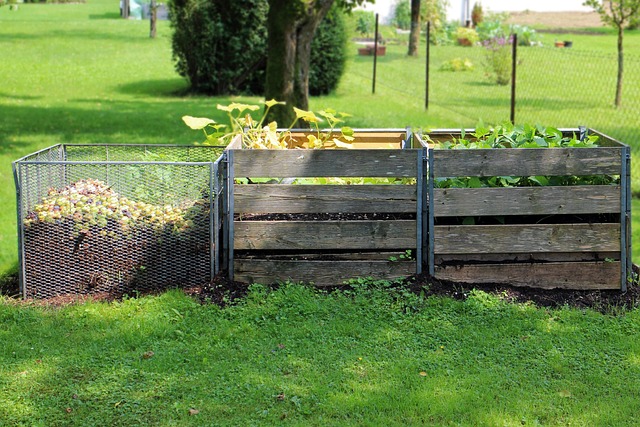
(337, 235)
(583, 199)
(325, 163)
(275, 198)
(469, 239)
(323, 255)
(527, 162)
(363, 137)
(564, 275)
(451, 259)
(320, 273)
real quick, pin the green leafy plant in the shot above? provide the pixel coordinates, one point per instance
(467, 36)
(256, 134)
(457, 64)
(508, 135)
(498, 59)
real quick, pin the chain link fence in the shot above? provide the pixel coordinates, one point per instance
(562, 87)
(115, 219)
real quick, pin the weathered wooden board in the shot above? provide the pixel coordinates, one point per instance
(323, 255)
(564, 275)
(496, 258)
(584, 199)
(320, 273)
(527, 162)
(371, 140)
(305, 235)
(325, 163)
(275, 198)
(469, 239)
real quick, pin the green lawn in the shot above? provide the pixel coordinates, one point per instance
(295, 356)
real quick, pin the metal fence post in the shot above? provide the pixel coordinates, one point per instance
(514, 66)
(430, 213)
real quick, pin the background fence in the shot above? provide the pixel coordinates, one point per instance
(560, 87)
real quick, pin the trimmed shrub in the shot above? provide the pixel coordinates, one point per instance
(220, 47)
(328, 53)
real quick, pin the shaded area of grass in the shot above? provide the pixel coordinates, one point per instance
(371, 355)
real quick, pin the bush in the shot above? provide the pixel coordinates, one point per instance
(220, 46)
(498, 59)
(457, 64)
(365, 22)
(328, 54)
(402, 15)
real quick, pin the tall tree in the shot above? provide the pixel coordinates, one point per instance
(291, 25)
(618, 14)
(414, 35)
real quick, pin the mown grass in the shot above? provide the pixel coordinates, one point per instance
(76, 73)
(297, 356)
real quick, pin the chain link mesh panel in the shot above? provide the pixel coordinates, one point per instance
(114, 219)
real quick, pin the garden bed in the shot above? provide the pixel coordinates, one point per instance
(545, 236)
(120, 219)
(333, 216)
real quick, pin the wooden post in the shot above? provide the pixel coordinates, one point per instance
(153, 17)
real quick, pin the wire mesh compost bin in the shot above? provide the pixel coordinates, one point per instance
(113, 219)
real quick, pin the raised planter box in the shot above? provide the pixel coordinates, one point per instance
(574, 237)
(369, 50)
(327, 233)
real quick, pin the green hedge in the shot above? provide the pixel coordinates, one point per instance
(220, 47)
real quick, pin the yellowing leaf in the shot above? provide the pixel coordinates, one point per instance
(270, 103)
(314, 142)
(423, 374)
(341, 144)
(197, 122)
(307, 116)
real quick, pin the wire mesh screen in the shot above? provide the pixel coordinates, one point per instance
(140, 221)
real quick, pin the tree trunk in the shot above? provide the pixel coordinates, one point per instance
(153, 17)
(618, 100)
(414, 35)
(291, 25)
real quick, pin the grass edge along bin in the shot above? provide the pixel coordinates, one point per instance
(559, 240)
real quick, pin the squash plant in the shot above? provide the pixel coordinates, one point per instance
(256, 134)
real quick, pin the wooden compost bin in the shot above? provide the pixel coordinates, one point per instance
(573, 237)
(331, 232)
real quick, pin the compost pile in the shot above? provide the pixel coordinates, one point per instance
(86, 238)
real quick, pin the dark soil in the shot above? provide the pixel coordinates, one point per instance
(224, 292)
